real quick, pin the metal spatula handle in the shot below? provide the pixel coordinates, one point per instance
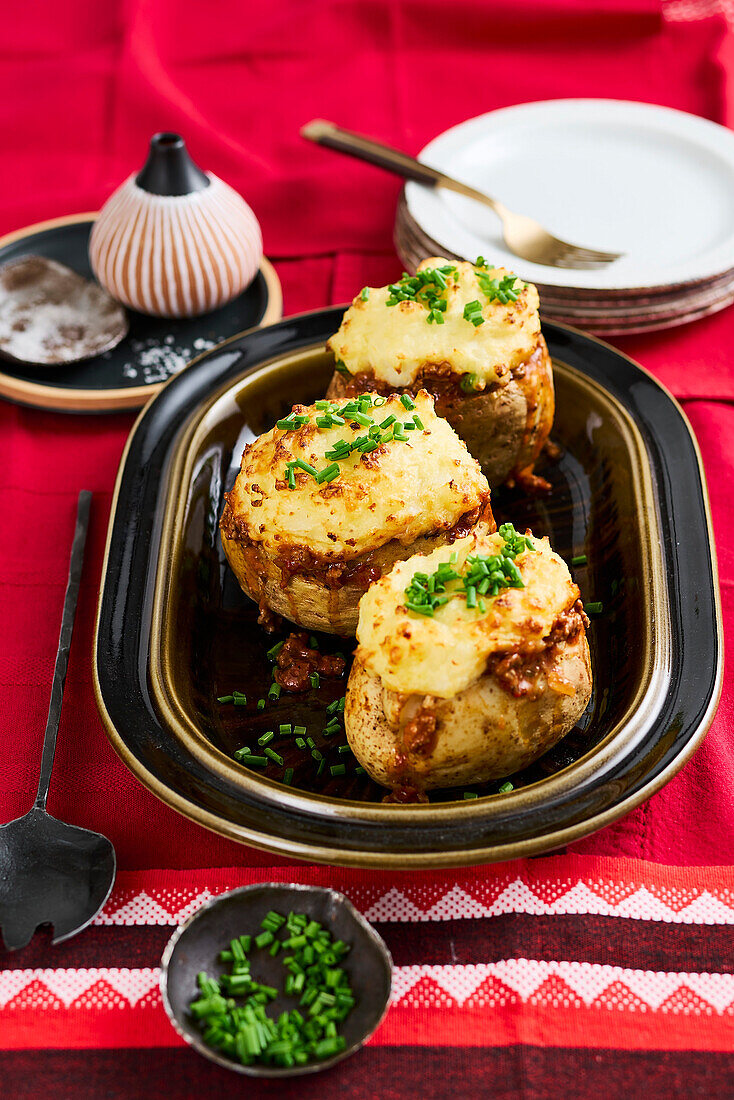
(62, 655)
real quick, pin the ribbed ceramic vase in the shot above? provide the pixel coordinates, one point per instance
(174, 241)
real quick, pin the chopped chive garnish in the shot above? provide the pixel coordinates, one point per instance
(506, 787)
(225, 698)
(358, 411)
(343, 748)
(243, 752)
(480, 575)
(261, 704)
(473, 313)
(301, 744)
(285, 729)
(273, 653)
(265, 739)
(364, 293)
(359, 770)
(273, 755)
(256, 761)
(288, 776)
(427, 288)
(580, 559)
(299, 731)
(504, 290)
(329, 473)
(274, 692)
(470, 795)
(291, 422)
(594, 608)
(315, 679)
(338, 769)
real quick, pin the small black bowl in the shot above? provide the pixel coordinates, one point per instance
(196, 944)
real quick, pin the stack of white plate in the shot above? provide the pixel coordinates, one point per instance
(651, 182)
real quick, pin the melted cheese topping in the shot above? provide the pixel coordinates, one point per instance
(401, 491)
(395, 343)
(443, 655)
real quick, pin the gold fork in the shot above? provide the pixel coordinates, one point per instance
(522, 235)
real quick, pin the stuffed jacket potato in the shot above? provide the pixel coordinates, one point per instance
(469, 334)
(336, 493)
(453, 685)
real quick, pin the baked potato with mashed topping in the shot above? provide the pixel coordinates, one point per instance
(469, 334)
(472, 662)
(336, 493)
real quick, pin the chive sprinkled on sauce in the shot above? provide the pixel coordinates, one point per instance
(468, 383)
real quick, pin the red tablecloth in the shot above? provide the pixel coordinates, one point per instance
(605, 969)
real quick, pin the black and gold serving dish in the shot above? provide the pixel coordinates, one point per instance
(175, 633)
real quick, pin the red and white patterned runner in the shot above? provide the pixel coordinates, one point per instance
(562, 951)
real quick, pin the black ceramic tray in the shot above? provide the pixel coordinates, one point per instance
(174, 631)
(155, 347)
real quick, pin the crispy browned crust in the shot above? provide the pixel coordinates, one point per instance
(319, 593)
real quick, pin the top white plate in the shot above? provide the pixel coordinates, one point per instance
(654, 183)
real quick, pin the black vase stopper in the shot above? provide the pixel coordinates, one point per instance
(169, 170)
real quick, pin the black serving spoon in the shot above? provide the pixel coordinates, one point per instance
(50, 872)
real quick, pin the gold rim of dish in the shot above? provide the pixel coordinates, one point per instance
(344, 809)
(111, 400)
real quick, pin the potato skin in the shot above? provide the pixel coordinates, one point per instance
(307, 600)
(506, 428)
(482, 733)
